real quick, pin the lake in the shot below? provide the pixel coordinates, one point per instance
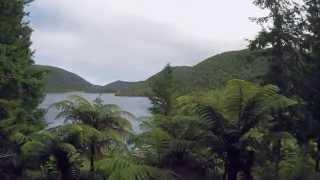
(138, 106)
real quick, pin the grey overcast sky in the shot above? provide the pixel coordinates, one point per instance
(108, 40)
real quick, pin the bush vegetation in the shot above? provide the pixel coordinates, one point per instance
(243, 130)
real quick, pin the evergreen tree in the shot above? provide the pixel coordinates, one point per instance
(21, 87)
(282, 41)
(312, 8)
(310, 92)
(163, 91)
(18, 80)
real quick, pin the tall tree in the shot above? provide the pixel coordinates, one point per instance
(21, 86)
(312, 8)
(310, 92)
(18, 82)
(282, 41)
(163, 92)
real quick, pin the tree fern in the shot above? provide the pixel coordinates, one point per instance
(121, 168)
(106, 125)
(50, 148)
(246, 106)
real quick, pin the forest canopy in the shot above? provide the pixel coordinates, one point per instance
(241, 130)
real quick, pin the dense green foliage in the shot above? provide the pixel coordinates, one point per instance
(20, 87)
(221, 119)
(163, 89)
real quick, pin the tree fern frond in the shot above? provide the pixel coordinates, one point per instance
(18, 138)
(237, 93)
(121, 168)
(212, 119)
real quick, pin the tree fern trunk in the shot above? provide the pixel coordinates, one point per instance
(247, 166)
(232, 174)
(232, 163)
(92, 155)
(225, 171)
(278, 158)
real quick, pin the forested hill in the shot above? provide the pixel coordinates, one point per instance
(210, 73)
(60, 80)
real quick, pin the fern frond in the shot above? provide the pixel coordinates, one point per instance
(121, 168)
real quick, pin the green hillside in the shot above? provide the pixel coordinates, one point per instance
(60, 80)
(210, 73)
(215, 71)
(124, 88)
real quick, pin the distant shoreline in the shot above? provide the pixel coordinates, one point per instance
(113, 93)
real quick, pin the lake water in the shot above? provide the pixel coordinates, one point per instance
(138, 106)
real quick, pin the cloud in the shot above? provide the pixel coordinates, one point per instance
(107, 40)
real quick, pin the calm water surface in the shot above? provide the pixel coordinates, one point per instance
(138, 106)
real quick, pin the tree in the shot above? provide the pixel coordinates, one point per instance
(19, 81)
(55, 153)
(282, 41)
(126, 168)
(162, 92)
(21, 86)
(174, 142)
(310, 90)
(241, 109)
(270, 143)
(312, 8)
(107, 119)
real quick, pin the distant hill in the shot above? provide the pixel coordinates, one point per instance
(60, 80)
(124, 88)
(216, 70)
(210, 73)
